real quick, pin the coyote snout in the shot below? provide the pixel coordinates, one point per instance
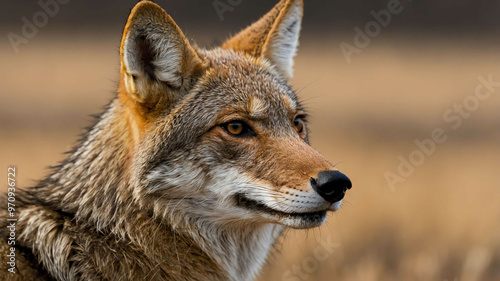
(302, 208)
(284, 180)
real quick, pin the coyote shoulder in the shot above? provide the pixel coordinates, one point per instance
(193, 170)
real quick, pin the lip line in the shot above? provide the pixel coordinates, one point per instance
(244, 201)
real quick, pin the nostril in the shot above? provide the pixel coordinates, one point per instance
(331, 185)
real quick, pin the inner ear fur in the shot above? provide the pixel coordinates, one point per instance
(158, 64)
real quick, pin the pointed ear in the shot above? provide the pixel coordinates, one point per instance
(157, 61)
(275, 36)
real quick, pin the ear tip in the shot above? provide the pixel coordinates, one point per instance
(144, 4)
(299, 3)
(146, 7)
(294, 2)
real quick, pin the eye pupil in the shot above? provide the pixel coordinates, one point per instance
(298, 124)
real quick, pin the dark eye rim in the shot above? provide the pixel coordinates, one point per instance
(246, 132)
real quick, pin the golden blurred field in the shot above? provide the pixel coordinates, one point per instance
(441, 223)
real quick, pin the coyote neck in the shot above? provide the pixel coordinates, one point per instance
(93, 185)
(92, 181)
(240, 252)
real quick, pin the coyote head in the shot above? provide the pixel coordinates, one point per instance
(219, 134)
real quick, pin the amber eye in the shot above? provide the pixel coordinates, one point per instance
(237, 128)
(298, 124)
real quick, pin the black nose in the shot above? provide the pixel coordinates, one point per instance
(331, 185)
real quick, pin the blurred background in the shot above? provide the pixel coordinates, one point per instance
(378, 92)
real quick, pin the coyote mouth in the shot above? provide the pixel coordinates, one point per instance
(309, 219)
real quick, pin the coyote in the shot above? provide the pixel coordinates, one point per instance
(191, 173)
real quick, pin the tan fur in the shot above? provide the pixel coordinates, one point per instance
(254, 39)
(158, 189)
(258, 38)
